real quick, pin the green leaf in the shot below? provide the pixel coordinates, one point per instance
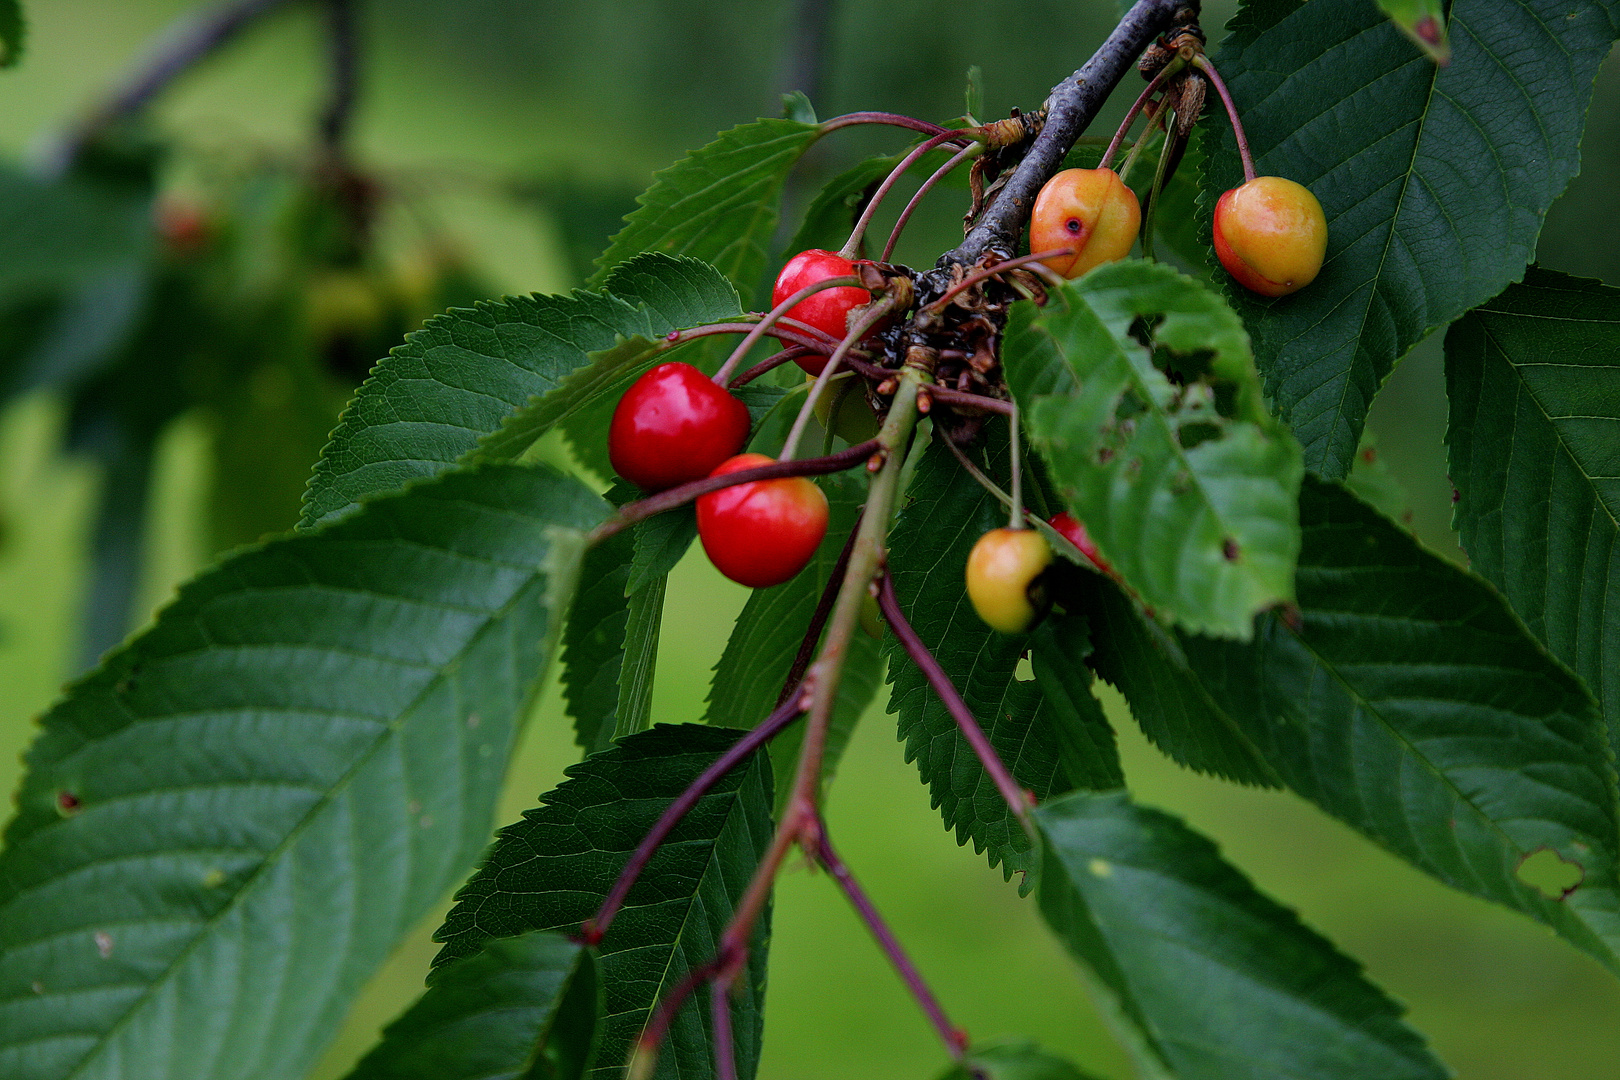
(1410, 703)
(1168, 456)
(552, 869)
(1434, 180)
(54, 233)
(718, 204)
(1013, 1061)
(524, 1007)
(796, 106)
(661, 542)
(1373, 483)
(944, 515)
(832, 213)
(1534, 382)
(13, 32)
(274, 783)
(506, 370)
(1222, 982)
(1424, 21)
(751, 672)
(1085, 741)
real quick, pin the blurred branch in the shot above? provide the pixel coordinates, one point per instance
(804, 56)
(183, 43)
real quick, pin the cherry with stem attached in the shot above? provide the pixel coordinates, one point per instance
(761, 328)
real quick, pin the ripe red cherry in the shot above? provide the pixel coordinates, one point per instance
(1069, 527)
(673, 425)
(761, 533)
(827, 310)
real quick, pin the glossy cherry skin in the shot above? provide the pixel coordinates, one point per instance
(1090, 210)
(1070, 528)
(1271, 235)
(761, 533)
(827, 310)
(673, 425)
(1004, 578)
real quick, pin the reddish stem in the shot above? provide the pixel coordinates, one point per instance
(787, 331)
(941, 682)
(764, 325)
(593, 929)
(972, 401)
(642, 509)
(725, 1056)
(1203, 63)
(927, 186)
(891, 119)
(770, 363)
(991, 271)
(851, 247)
(1130, 115)
(955, 1038)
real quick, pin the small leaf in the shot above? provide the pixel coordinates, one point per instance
(1424, 21)
(1434, 180)
(526, 1006)
(551, 870)
(973, 96)
(1013, 1061)
(1167, 454)
(718, 204)
(311, 737)
(796, 107)
(594, 642)
(1372, 482)
(1534, 382)
(484, 383)
(1221, 982)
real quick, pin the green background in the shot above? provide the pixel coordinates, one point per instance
(590, 98)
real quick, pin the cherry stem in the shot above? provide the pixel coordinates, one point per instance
(927, 186)
(645, 1056)
(891, 119)
(953, 1037)
(973, 470)
(1032, 259)
(771, 362)
(1153, 87)
(787, 331)
(785, 714)
(1205, 65)
(1137, 147)
(725, 1059)
(1016, 510)
(764, 325)
(1014, 795)
(971, 401)
(864, 322)
(818, 619)
(642, 509)
(852, 246)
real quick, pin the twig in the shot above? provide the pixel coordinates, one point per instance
(955, 1039)
(1174, 66)
(593, 929)
(764, 325)
(971, 401)
(177, 48)
(725, 1055)
(1033, 259)
(1014, 795)
(1072, 105)
(788, 331)
(642, 509)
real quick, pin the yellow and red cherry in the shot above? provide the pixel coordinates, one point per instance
(673, 425)
(828, 310)
(1271, 235)
(1069, 527)
(763, 532)
(1088, 210)
(1004, 578)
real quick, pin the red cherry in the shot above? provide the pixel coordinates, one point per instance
(1069, 527)
(827, 310)
(673, 425)
(761, 533)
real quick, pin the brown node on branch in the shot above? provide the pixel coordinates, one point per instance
(1007, 140)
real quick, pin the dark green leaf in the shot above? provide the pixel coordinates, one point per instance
(718, 204)
(1014, 1061)
(1434, 179)
(661, 542)
(593, 642)
(56, 233)
(1409, 702)
(751, 672)
(525, 1007)
(552, 869)
(504, 372)
(1221, 982)
(1184, 482)
(310, 739)
(1534, 382)
(1058, 649)
(944, 515)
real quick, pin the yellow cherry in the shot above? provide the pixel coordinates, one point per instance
(1271, 235)
(1004, 578)
(1088, 210)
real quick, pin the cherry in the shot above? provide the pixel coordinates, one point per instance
(827, 310)
(1271, 235)
(761, 533)
(673, 425)
(1070, 528)
(854, 421)
(1004, 578)
(1089, 210)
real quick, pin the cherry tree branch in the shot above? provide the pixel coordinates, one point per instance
(343, 61)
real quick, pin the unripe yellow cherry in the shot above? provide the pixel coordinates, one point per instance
(1089, 210)
(1004, 578)
(1271, 235)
